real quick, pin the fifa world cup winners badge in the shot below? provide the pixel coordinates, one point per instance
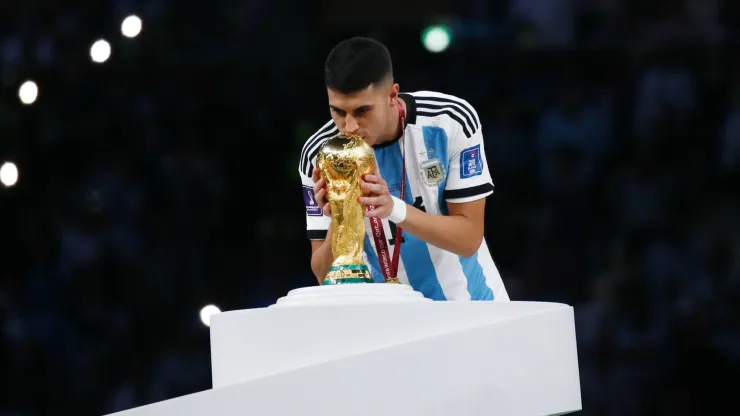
(343, 160)
(312, 207)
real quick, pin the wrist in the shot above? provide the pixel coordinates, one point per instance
(398, 213)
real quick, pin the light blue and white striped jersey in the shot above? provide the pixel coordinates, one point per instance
(445, 162)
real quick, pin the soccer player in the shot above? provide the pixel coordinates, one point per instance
(430, 145)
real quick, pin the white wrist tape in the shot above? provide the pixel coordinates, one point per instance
(398, 213)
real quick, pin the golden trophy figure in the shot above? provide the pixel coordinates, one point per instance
(343, 160)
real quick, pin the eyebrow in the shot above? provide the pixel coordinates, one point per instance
(360, 108)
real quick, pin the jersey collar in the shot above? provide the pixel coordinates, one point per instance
(410, 107)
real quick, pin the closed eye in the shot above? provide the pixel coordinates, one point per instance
(362, 110)
(357, 112)
(338, 111)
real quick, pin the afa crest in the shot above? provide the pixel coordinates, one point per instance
(432, 172)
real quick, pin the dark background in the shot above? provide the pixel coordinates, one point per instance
(166, 179)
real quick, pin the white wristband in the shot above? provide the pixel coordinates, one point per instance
(398, 213)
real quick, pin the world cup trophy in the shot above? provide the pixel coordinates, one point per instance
(343, 160)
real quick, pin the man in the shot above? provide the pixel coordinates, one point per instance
(443, 253)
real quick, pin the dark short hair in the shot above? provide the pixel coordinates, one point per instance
(356, 63)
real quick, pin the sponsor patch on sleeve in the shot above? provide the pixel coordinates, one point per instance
(471, 162)
(312, 208)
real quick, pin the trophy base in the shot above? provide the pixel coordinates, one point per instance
(348, 274)
(326, 295)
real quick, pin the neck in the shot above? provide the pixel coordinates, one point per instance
(393, 129)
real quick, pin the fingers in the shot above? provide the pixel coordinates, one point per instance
(319, 192)
(377, 201)
(375, 188)
(373, 179)
(318, 186)
(378, 211)
(317, 180)
(320, 196)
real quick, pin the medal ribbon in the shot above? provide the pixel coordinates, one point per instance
(388, 266)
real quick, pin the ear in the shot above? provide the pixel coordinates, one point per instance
(394, 95)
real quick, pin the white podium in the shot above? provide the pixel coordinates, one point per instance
(385, 350)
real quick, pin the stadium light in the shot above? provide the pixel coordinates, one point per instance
(8, 174)
(131, 26)
(436, 38)
(206, 312)
(28, 92)
(100, 51)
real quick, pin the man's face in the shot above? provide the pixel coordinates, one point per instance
(364, 113)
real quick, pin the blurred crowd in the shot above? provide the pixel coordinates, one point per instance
(165, 179)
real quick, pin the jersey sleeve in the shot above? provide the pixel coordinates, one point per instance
(317, 223)
(468, 178)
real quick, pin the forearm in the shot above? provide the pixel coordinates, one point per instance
(455, 233)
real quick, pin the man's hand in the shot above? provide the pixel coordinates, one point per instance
(319, 192)
(376, 194)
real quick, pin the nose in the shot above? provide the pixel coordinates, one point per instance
(350, 124)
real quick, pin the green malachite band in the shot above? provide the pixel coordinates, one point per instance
(348, 280)
(348, 267)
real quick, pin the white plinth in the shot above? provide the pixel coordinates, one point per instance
(317, 353)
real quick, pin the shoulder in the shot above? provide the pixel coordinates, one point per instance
(311, 147)
(447, 111)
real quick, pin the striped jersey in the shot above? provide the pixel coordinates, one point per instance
(445, 162)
